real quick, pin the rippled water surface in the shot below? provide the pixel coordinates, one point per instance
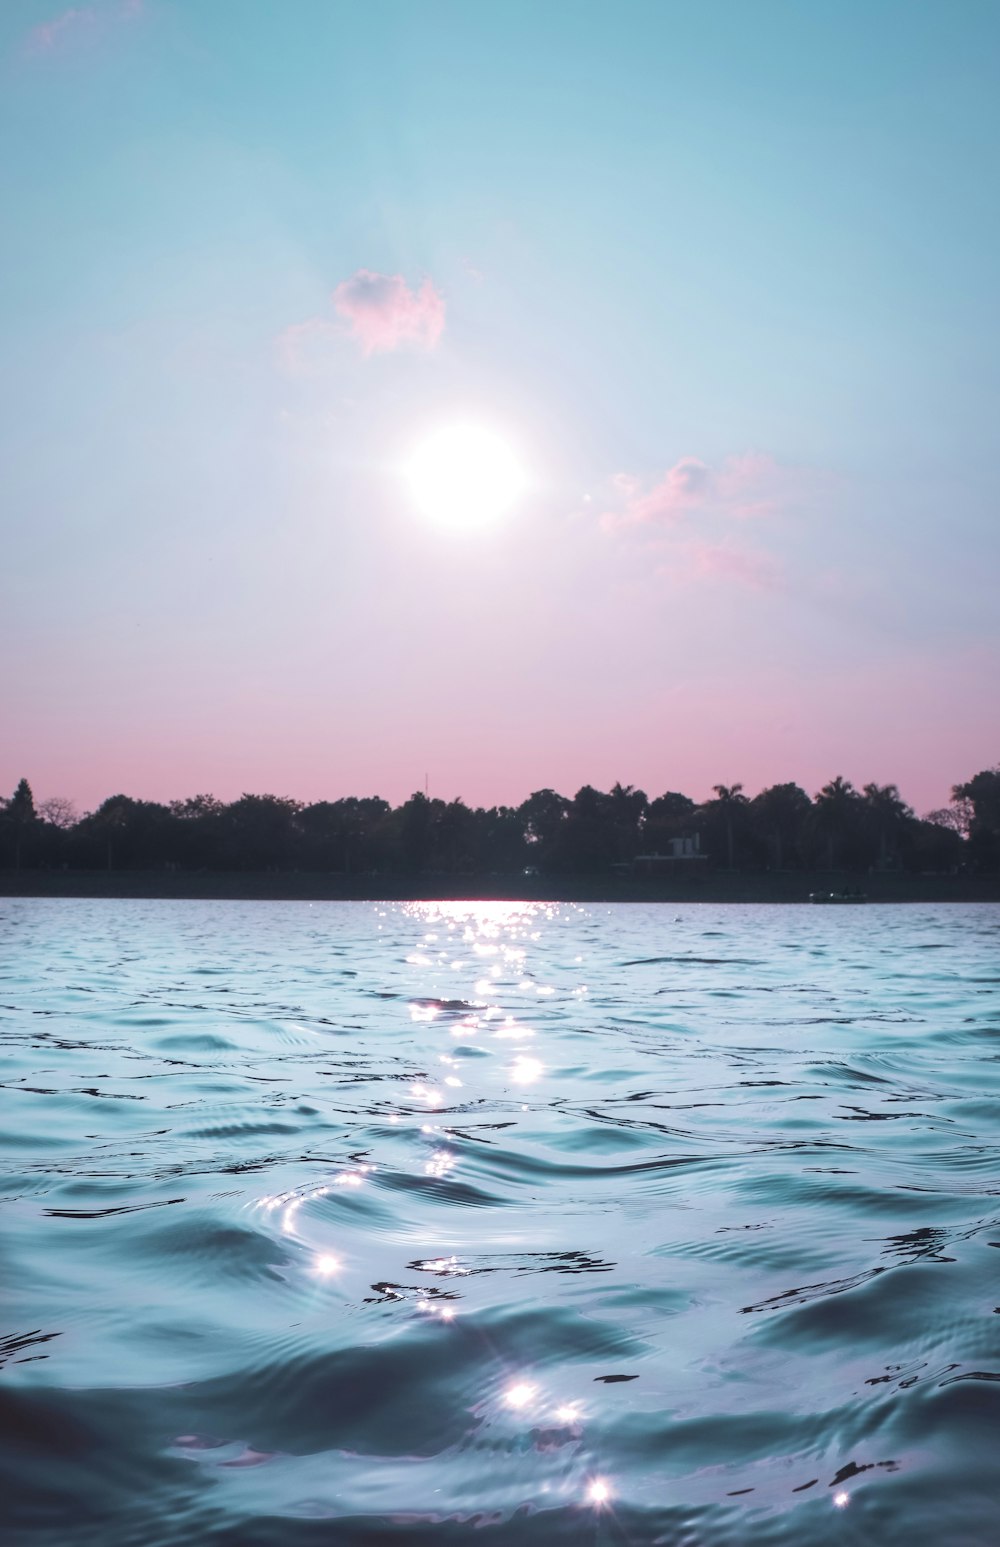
(364, 1223)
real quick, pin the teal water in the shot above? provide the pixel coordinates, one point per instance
(370, 1223)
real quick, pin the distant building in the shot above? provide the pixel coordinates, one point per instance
(685, 853)
(686, 848)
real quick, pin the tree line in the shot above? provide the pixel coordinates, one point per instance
(780, 828)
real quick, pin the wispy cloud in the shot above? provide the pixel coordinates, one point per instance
(49, 34)
(730, 561)
(303, 347)
(76, 23)
(384, 313)
(754, 484)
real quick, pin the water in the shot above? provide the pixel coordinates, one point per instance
(357, 1223)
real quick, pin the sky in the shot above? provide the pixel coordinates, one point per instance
(719, 276)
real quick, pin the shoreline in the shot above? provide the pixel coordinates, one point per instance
(306, 886)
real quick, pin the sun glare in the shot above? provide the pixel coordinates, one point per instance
(464, 476)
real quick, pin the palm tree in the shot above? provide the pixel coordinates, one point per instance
(730, 798)
(836, 814)
(628, 811)
(888, 815)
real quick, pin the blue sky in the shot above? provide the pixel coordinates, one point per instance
(753, 242)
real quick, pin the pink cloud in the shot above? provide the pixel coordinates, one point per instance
(687, 516)
(684, 487)
(752, 484)
(383, 312)
(379, 311)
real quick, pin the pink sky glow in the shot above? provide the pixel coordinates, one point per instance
(423, 674)
(744, 564)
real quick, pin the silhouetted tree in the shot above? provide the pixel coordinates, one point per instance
(779, 815)
(982, 793)
(589, 833)
(957, 817)
(328, 831)
(597, 829)
(888, 819)
(500, 839)
(543, 815)
(337, 835)
(52, 833)
(261, 831)
(668, 816)
(198, 833)
(456, 837)
(587, 840)
(415, 831)
(628, 808)
(59, 811)
(933, 846)
(124, 833)
(836, 820)
(196, 808)
(726, 813)
(20, 819)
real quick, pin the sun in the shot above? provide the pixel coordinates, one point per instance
(465, 476)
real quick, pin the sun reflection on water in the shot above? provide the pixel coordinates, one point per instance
(525, 1071)
(513, 1032)
(440, 1265)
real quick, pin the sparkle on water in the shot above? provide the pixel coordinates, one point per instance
(525, 1071)
(297, 1231)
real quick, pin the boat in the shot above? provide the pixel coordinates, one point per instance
(838, 897)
